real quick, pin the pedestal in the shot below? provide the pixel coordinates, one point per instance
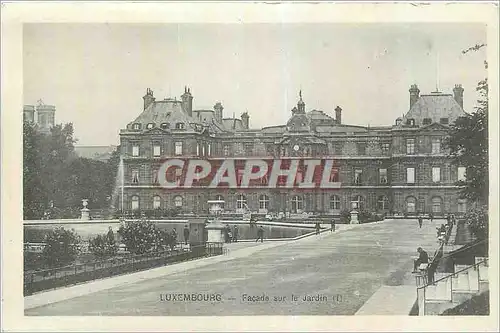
(215, 232)
(85, 214)
(354, 217)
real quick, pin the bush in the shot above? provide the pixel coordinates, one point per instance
(143, 236)
(345, 216)
(103, 246)
(62, 247)
(477, 219)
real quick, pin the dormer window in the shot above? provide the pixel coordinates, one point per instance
(443, 121)
(427, 121)
(165, 125)
(150, 125)
(136, 126)
(410, 122)
(398, 121)
(179, 126)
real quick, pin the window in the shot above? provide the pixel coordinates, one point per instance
(165, 125)
(150, 125)
(134, 203)
(382, 176)
(461, 174)
(410, 122)
(334, 202)
(241, 202)
(156, 149)
(334, 175)
(135, 176)
(357, 202)
(436, 204)
(209, 149)
(411, 204)
(178, 201)
(410, 146)
(178, 148)
(219, 197)
(155, 176)
(226, 150)
(263, 202)
(383, 202)
(297, 204)
(156, 202)
(137, 126)
(436, 174)
(410, 175)
(436, 145)
(361, 149)
(179, 126)
(135, 150)
(386, 147)
(427, 121)
(462, 206)
(358, 176)
(443, 121)
(198, 149)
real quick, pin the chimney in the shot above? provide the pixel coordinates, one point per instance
(414, 94)
(458, 94)
(244, 120)
(148, 98)
(218, 112)
(338, 115)
(187, 101)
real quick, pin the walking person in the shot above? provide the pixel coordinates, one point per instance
(317, 228)
(260, 234)
(186, 235)
(431, 217)
(332, 225)
(235, 234)
(420, 221)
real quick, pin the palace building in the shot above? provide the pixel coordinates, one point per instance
(399, 168)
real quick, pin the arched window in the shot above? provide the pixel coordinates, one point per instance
(241, 202)
(358, 202)
(220, 198)
(437, 203)
(335, 202)
(263, 202)
(411, 203)
(178, 201)
(383, 202)
(134, 202)
(156, 202)
(297, 204)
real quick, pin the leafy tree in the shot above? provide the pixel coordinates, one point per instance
(468, 143)
(62, 247)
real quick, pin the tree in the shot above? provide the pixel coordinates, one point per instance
(142, 236)
(103, 246)
(61, 247)
(468, 144)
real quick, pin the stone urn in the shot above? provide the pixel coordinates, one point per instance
(85, 211)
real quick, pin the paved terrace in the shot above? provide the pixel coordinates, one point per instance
(348, 267)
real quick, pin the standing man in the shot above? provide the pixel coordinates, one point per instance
(431, 216)
(174, 238)
(317, 228)
(332, 224)
(260, 234)
(186, 234)
(235, 234)
(420, 221)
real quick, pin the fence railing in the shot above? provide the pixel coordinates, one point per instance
(442, 289)
(36, 281)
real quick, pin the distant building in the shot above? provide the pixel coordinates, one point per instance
(100, 153)
(400, 168)
(43, 115)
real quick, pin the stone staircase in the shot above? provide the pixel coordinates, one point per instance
(452, 289)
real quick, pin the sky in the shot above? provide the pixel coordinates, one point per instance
(96, 74)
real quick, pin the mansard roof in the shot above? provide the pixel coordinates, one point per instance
(434, 107)
(166, 111)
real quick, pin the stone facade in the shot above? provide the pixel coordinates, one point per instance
(400, 168)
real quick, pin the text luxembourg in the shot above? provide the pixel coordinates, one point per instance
(287, 173)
